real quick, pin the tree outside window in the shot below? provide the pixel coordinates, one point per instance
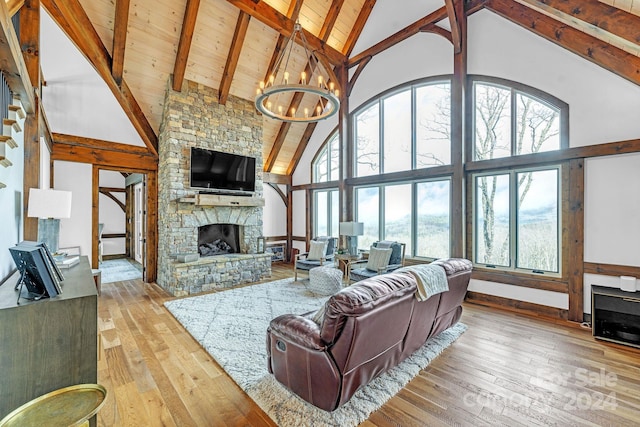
(516, 212)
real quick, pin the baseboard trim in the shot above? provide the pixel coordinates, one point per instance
(517, 306)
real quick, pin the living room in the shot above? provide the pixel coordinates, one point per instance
(595, 163)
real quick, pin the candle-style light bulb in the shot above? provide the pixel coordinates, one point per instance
(286, 77)
(319, 81)
(337, 93)
(272, 78)
(303, 78)
(331, 86)
(306, 113)
(293, 112)
(319, 110)
(280, 109)
(269, 105)
(261, 85)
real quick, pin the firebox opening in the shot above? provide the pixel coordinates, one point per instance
(218, 239)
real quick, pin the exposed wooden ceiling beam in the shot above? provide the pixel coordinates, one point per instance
(184, 45)
(297, 97)
(14, 6)
(98, 152)
(433, 28)
(595, 18)
(358, 26)
(293, 13)
(107, 192)
(234, 54)
(99, 144)
(12, 62)
(121, 23)
(30, 40)
(435, 16)
(275, 178)
(71, 17)
(454, 24)
(294, 9)
(588, 47)
(284, 25)
(330, 20)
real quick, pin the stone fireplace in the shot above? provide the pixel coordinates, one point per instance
(218, 239)
(193, 118)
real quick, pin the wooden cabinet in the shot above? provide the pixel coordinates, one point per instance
(48, 344)
(615, 315)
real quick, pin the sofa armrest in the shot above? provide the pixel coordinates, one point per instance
(298, 329)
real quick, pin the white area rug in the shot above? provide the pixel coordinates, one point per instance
(116, 270)
(231, 325)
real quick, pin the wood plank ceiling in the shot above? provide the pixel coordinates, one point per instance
(137, 46)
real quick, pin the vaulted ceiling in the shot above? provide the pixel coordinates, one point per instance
(140, 46)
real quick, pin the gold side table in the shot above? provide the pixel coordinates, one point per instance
(69, 406)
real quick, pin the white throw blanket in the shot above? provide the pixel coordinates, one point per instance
(431, 279)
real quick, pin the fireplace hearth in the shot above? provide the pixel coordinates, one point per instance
(218, 239)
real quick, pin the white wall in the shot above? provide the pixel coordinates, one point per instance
(11, 209)
(76, 99)
(111, 215)
(602, 107)
(275, 212)
(75, 177)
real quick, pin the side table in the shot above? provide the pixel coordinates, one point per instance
(344, 260)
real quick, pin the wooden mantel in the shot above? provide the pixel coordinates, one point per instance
(222, 200)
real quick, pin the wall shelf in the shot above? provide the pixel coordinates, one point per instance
(222, 200)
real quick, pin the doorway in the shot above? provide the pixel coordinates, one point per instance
(120, 209)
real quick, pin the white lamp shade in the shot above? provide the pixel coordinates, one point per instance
(47, 203)
(351, 228)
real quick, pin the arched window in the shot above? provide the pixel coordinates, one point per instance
(517, 208)
(326, 166)
(404, 129)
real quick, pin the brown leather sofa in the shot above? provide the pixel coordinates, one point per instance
(366, 329)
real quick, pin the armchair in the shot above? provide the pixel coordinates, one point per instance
(378, 263)
(321, 252)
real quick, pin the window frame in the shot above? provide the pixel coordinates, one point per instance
(413, 244)
(513, 219)
(379, 99)
(521, 162)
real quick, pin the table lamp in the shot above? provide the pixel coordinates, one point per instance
(49, 206)
(352, 230)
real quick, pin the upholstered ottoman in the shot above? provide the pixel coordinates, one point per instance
(325, 280)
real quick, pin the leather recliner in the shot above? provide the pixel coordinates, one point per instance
(366, 329)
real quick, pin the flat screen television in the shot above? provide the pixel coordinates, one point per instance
(215, 171)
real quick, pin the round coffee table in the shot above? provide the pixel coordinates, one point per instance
(69, 406)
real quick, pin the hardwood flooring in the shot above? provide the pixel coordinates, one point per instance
(506, 369)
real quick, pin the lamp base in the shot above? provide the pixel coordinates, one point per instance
(49, 233)
(352, 245)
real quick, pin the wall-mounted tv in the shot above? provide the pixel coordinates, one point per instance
(215, 171)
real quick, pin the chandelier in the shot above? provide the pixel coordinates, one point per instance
(272, 97)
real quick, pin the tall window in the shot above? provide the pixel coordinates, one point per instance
(416, 214)
(326, 166)
(326, 211)
(516, 210)
(407, 129)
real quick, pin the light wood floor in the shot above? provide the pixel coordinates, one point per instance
(506, 369)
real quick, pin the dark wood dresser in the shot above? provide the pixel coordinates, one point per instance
(48, 344)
